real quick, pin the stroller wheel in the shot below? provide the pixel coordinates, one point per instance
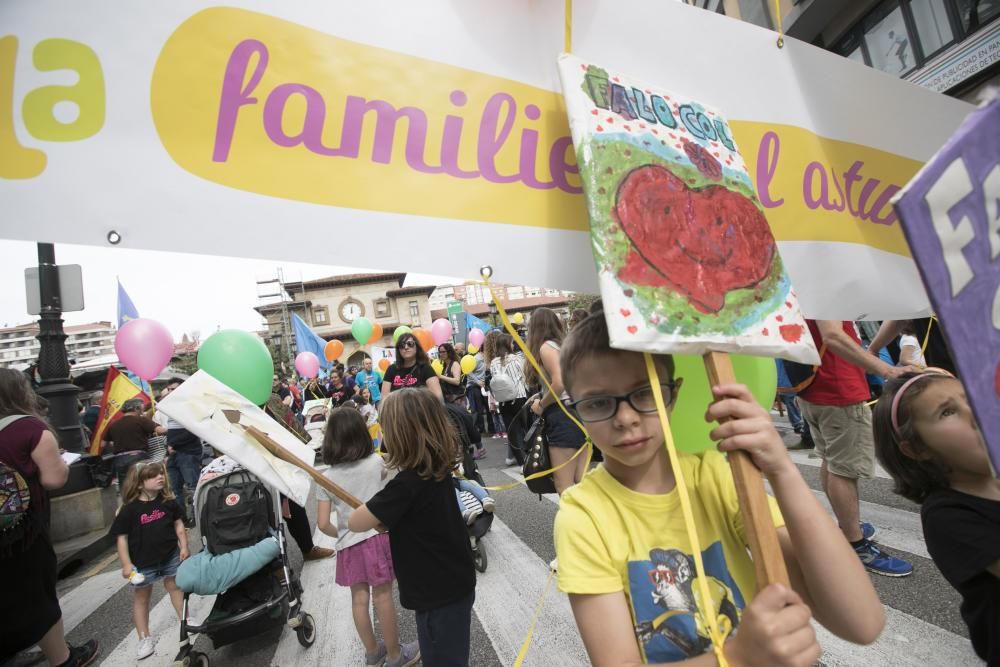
(479, 559)
(197, 659)
(306, 632)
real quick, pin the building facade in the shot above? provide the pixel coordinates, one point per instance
(330, 305)
(19, 346)
(948, 46)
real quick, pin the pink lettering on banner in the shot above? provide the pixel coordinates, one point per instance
(495, 127)
(155, 515)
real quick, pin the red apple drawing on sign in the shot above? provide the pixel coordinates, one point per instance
(700, 242)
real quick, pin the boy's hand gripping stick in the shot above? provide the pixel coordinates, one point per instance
(768, 561)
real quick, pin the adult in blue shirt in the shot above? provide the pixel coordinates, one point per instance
(370, 378)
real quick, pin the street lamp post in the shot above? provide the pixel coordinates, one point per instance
(53, 365)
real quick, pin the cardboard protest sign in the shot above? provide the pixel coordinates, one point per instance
(685, 258)
(951, 217)
(198, 405)
(206, 129)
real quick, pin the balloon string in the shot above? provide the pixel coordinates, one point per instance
(711, 620)
(568, 27)
(777, 18)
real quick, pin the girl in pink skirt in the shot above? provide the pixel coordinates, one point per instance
(364, 563)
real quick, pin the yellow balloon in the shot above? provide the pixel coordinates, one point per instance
(468, 364)
(437, 366)
(473, 349)
(517, 319)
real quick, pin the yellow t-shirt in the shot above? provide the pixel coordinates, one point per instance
(610, 538)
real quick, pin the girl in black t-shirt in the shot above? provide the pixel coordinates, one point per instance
(411, 370)
(152, 542)
(452, 382)
(927, 439)
(427, 537)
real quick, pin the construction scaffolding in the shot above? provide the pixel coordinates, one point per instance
(272, 295)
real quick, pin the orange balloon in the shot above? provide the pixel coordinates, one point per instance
(383, 364)
(333, 350)
(376, 333)
(425, 338)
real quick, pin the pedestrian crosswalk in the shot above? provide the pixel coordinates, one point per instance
(518, 548)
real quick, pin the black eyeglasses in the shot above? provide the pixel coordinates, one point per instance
(600, 408)
(409, 343)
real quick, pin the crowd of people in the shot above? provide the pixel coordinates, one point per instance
(624, 555)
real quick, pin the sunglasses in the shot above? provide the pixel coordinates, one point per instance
(409, 343)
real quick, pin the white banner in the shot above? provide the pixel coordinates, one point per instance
(271, 129)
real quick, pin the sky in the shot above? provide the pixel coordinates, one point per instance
(187, 293)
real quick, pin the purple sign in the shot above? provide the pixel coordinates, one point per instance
(950, 214)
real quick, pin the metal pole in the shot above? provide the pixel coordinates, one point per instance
(53, 365)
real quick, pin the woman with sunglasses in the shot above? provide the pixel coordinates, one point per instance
(412, 369)
(452, 386)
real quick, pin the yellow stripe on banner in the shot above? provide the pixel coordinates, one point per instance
(534, 621)
(568, 27)
(709, 618)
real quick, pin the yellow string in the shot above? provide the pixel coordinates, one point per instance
(777, 18)
(927, 336)
(534, 621)
(710, 619)
(568, 27)
(588, 444)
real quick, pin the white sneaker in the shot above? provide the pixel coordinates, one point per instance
(146, 647)
(469, 516)
(554, 565)
(489, 504)
(509, 461)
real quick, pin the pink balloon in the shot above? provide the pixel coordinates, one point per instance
(476, 337)
(144, 346)
(307, 364)
(441, 331)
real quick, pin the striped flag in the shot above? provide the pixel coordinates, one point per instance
(117, 389)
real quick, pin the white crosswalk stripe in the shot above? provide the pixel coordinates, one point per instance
(506, 597)
(164, 626)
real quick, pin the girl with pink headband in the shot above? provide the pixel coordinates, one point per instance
(927, 439)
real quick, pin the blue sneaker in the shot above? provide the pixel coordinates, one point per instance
(877, 561)
(867, 530)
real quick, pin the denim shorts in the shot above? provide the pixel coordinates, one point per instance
(154, 573)
(560, 430)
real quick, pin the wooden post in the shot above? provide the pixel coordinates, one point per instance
(769, 562)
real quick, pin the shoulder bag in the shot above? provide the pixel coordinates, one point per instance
(536, 458)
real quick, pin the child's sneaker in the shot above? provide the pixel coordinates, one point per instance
(146, 647)
(509, 461)
(867, 530)
(879, 562)
(409, 654)
(376, 659)
(469, 516)
(489, 504)
(82, 655)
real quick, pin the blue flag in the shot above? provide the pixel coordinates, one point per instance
(126, 309)
(306, 340)
(473, 322)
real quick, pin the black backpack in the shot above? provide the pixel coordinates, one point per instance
(799, 375)
(237, 512)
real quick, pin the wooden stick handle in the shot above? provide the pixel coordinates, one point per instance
(769, 562)
(272, 446)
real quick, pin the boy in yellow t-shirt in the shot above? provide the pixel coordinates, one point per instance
(624, 553)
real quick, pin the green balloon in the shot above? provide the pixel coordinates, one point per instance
(239, 360)
(362, 329)
(687, 421)
(399, 332)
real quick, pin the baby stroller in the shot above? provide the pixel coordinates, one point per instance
(469, 434)
(236, 510)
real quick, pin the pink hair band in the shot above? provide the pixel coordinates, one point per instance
(893, 412)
